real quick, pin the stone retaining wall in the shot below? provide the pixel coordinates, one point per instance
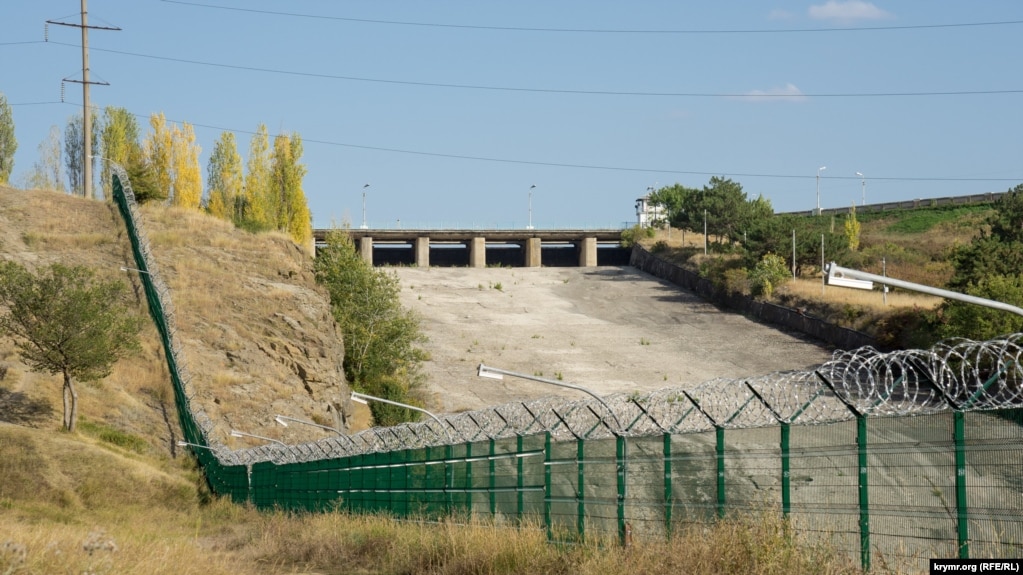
(838, 336)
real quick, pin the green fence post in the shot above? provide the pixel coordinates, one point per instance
(861, 463)
(493, 478)
(468, 478)
(719, 449)
(668, 500)
(621, 462)
(546, 485)
(580, 454)
(861, 451)
(409, 505)
(520, 476)
(786, 493)
(786, 479)
(449, 480)
(962, 516)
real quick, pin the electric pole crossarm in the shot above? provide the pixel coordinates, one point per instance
(90, 26)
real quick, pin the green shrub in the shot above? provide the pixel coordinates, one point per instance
(770, 272)
(737, 281)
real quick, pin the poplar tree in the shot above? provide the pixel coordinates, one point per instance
(119, 137)
(74, 153)
(852, 229)
(45, 173)
(288, 200)
(257, 180)
(8, 143)
(186, 173)
(159, 149)
(225, 181)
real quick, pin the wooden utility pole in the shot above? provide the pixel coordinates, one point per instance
(86, 116)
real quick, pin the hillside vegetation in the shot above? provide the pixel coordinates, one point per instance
(912, 245)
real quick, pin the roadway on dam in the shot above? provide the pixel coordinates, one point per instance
(610, 329)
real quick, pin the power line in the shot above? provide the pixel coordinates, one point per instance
(37, 103)
(552, 90)
(730, 174)
(593, 30)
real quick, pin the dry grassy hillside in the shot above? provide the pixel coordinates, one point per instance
(256, 331)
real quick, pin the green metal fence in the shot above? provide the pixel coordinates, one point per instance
(894, 457)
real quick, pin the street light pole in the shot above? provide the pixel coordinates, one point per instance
(364, 398)
(236, 433)
(819, 170)
(530, 226)
(364, 226)
(284, 419)
(863, 188)
(498, 373)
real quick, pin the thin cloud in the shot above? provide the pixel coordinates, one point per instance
(787, 93)
(779, 14)
(848, 10)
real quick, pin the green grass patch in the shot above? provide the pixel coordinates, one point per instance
(923, 220)
(108, 434)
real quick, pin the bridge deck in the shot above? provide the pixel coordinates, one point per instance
(439, 235)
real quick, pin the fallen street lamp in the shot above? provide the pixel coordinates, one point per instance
(284, 419)
(127, 269)
(837, 275)
(236, 433)
(365, 399)
(497, 373)
(195, 446)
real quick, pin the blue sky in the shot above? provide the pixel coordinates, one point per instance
(452, 109)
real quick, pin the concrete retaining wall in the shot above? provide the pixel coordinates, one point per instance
(841, 337)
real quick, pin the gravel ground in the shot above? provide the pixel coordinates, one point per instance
(610, 329)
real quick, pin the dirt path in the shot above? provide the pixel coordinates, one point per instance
(610, 329)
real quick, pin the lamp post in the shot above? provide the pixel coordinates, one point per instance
(365, 399)
(364, 186)
(497, 373)
(236, 433)
(863, 188)
(284, 419)
(194, 445)
(530, 226)
(819, 170)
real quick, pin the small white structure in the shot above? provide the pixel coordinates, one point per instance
(648, 214)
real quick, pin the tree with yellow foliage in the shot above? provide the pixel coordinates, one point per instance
(852, 229)
(258, 212)
(159, 150)
(225, 181)
(187, 173)
(288, 199)
(173, 157)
